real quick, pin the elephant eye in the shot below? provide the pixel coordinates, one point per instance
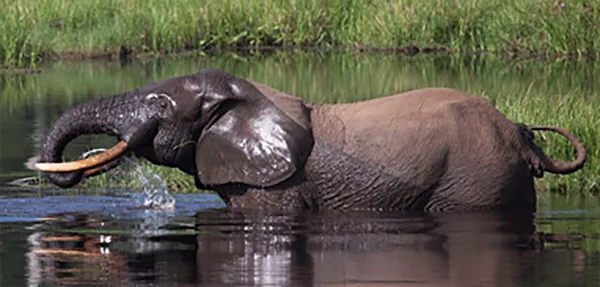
(152, 97)
(163, 100)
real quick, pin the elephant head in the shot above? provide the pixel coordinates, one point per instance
(211, 124)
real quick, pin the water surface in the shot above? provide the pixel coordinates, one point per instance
(101, 236)
(105, 240)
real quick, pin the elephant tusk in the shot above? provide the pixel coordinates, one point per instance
(101, 169)
(87, 163)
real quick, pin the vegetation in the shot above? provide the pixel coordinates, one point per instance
(34, 30)
(562, 93)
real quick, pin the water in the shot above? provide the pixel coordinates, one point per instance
(112, 236)
(200, 244)
(152, 189)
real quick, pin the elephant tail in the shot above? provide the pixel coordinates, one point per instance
(543, 162)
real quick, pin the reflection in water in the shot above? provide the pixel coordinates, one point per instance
(308, 249)
(65, 258)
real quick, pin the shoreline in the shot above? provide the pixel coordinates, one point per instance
(71, 29)
(250, 50)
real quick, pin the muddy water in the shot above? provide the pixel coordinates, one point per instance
(102, 236)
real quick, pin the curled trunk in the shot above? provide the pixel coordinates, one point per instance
(97, 116)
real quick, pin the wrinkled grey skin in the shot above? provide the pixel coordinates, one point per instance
(431, 149)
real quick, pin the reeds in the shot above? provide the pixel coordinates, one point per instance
(33, 30)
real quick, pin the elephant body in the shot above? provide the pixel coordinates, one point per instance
(433, 149)
(430, 149)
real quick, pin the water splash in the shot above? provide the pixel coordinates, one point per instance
(149, 189)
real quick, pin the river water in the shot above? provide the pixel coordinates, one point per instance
(102, 237)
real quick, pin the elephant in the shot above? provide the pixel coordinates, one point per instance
(431, 149)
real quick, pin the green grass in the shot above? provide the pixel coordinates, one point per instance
(31, 30)
(562, 93)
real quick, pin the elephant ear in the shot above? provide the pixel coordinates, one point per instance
(254, 136)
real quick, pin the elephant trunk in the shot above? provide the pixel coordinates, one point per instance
(97, 116)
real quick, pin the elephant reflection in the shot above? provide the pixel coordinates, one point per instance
(338, 249)
(63, 258)
(453, 250)
(85, 258)
(366, 250)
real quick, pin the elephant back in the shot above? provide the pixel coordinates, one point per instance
(291, 105)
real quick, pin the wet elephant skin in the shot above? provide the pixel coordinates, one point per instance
(433, 149)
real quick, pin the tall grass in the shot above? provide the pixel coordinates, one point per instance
(562, 93)
(31, 30)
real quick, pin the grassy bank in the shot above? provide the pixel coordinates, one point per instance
(561, 93)
(34, 30)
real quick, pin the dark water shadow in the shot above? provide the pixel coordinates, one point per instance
(220, 247)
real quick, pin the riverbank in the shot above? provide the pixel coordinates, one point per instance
(33, 31)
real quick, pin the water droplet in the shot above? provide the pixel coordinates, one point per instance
(150, 190)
